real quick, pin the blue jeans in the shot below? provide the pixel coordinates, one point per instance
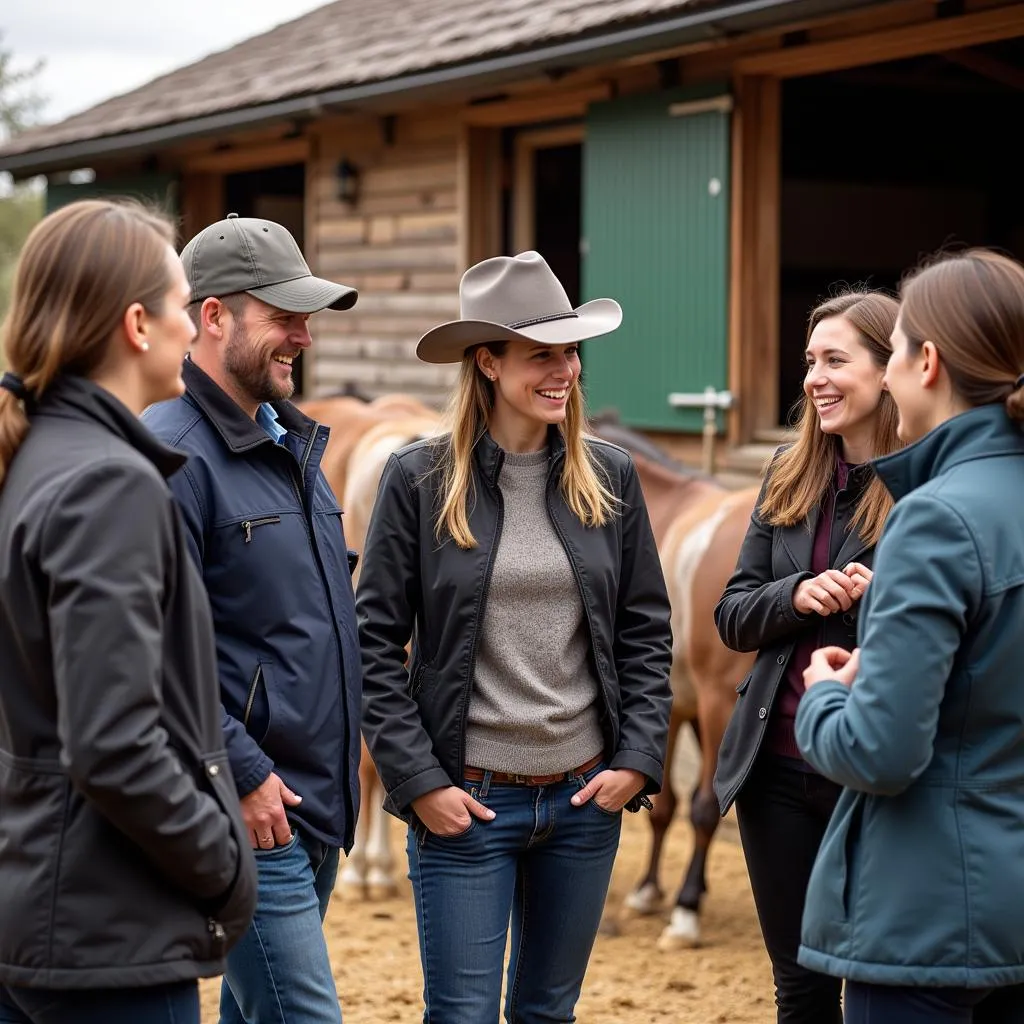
(177, 1003)
(280, 973)
(542, 863)
(891, 1004)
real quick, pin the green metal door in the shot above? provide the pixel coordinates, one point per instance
(656, 231)
(159, 190)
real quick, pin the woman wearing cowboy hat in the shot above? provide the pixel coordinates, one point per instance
(517, 554)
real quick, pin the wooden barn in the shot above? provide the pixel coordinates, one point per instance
(716, 165)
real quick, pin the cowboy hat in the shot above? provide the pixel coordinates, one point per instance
(515, 298)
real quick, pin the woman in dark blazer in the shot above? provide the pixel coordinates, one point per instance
(803, 567)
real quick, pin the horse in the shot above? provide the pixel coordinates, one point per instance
(699, 527)
(363, 436)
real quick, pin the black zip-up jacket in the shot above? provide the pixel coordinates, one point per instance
(123, 858)
(265, 529)
(414, 717)
(756, 613)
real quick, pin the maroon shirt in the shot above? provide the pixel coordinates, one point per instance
(781, 738)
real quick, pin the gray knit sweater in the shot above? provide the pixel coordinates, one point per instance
(534, 707)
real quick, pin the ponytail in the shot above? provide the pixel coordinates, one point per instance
(81, 267)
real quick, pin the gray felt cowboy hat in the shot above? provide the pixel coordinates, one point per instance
(515, 298)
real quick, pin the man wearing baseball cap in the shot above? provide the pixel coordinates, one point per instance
(266, 531)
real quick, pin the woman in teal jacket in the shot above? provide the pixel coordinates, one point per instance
(917, 895)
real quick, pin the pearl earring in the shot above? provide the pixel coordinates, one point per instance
(145, 346)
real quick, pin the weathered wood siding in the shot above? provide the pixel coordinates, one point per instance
(398, 244)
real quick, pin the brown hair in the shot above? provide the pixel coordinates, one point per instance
(79, 270)
(971, 307)
(468, 413)
(802, 474)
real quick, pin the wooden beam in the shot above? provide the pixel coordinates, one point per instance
(202, 201)
(754, 257)
(554, 105)
(478, 195)
(251, 158)
(988, 67)
(934, 36)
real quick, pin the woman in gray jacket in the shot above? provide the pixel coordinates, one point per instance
(125, 870)
(917, 895)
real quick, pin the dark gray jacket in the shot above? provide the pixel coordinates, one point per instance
(123, 858)
(415, 722)
(756, 613)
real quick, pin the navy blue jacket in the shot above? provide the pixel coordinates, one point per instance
(920, 876)
(266, 530)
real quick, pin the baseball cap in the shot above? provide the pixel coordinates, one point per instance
(259, 257)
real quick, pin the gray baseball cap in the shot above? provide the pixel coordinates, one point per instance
(259, 257)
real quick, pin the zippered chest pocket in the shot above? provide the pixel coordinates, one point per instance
(249, 525)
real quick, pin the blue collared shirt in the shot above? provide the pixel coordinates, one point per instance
(266, 417)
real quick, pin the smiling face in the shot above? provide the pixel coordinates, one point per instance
(262, 347)
(532, 382)
(843, 383)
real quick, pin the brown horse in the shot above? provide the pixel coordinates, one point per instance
(699, 526)
(363, 435)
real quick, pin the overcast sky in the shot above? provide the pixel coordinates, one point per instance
(98, 49)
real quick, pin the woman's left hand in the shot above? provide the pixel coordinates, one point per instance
(832, 663)
(861, 576)
(617, 787)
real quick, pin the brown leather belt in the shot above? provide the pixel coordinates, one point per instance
(471, 774)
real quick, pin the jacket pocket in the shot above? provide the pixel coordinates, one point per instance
(34, 796)
(232, 912)
(421, 675)
(258, 714)
(250, 525)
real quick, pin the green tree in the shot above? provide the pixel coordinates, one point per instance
(22, 205)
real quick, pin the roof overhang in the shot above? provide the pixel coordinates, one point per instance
(702, 23)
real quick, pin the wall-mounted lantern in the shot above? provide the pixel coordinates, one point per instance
(348, 182)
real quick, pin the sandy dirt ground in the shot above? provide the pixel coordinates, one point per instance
(727, 980)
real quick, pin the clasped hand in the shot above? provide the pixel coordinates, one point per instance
(832, 591)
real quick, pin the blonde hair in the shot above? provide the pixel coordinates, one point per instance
(802, 474)
(468, 414)
(81, 267)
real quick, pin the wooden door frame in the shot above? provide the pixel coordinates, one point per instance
(524, 175)
(755, 233)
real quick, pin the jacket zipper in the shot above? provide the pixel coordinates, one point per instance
(257, 676)
(310, 535)
(248, 525)
(467, 688)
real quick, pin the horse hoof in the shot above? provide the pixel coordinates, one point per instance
(380, 884)
(645, 900)
(681, 932)
(352, 876)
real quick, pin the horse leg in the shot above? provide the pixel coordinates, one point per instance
(683, 929)
(353, 876)
(380, 861)
(647, 897)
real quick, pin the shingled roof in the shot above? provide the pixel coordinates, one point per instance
(343, 43)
